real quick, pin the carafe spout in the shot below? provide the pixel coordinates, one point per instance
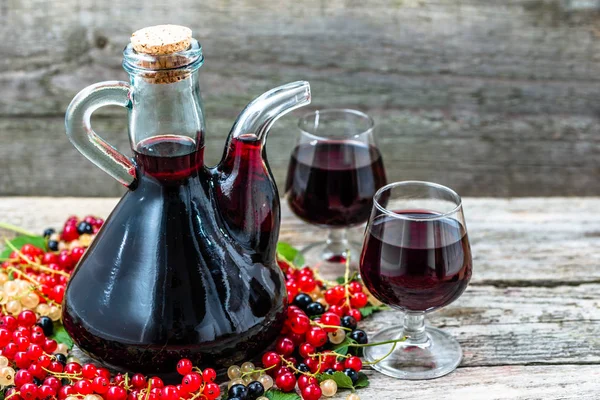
(260, 114)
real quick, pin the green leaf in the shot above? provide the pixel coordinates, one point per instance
(340, 280)
(290, 253)
(343, 381)
(20, 241)
(273, 394)
(342, 348)
(370, 309)
(362, 382)
(61, 335)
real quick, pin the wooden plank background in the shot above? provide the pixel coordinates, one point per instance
(492, 98)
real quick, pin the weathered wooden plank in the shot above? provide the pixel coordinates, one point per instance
(476, 156)
(498, 383)
(538, 241)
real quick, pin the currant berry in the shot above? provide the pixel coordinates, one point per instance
(270, 360)
(100, 384)
(45, 392)
(29, 391)
(312, 392)
(306, 380)
(239, 390)
(53, 382)
(306, 349)
(352, 374)
(286, 382)
(359, 336)
(255, 389)
(303, 368)
(69, 233)
(300, 324)
(116, 393)
(88, 371)
(212, 391)
(169, 392)
(184, 366)
(138, 381)
(331, 319)
(302, 301)
(84, 227)
(329, 388)
(65, 392)
(355, 314)
(285, 346)
(191, 382)
(339, 366)
(22, 377)
(349, 322)
(209, 375)
(354, 363)
(307, 283)
(359, 300)
(73, 368)
(83, 387)
(316, 336)
(314, 309)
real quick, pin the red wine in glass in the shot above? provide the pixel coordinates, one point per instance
(333, 182)
(416, 257)
(334, 171)
(416, 265)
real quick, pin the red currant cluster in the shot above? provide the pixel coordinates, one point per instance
(33, 366)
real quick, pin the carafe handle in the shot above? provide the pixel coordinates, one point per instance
(83, 137)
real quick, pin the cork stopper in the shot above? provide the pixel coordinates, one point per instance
(161, 39)
(162, 43)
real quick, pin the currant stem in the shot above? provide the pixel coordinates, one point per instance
(320, 325)
(382, 358)
(395, 341)
(36, 265)
(260, 371)
(14, 228)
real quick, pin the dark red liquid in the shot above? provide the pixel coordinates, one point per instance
(332, 183)
(171, 275)
(416, 265)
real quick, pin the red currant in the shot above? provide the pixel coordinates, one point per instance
(156, 382)
(353, 363)
(306, 349)
(45, 392)
(339, 366)
(169, 392)
(65, 391)
(285, 346)
(355, 287)
(13, 394)
(29, 391)
(50, 345)
(22, 343)
(359, 300)
(53, 382)
(115, 393)
(209, 375)
(9, 322)
(312, 392)
(77, 253)
(316, 336)
(307, 283)
(300, 324)
(44, 361)
(270, 360)
(138, 381)
(211, 391)
(37, 371)
(100, 384)
(38, 337)
(332, 320)
(313, 364)
(286, 382)
(306, 380)
(355, 314)
(73, 368)
(184, 366)
(21, 360)
(56, 367)
(70, 233)
(4, 337)
(191, 382)
(49, 258)
(22, 377)
(83, 387)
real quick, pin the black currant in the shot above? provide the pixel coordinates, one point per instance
(330, 371)
(61, 358)
(52, 245)
(349, 322)
(302, 301)
(37, 381)
(47, 325)
(303, 368)
(352, 374)
(315, 309)
(84, 227)
(255, 390)
(238, 390)
(48, 232)
(359, 336)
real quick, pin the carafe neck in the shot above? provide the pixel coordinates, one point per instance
(165, 101)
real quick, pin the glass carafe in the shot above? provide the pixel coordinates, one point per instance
(185, 266)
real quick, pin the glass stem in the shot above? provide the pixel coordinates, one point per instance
(414, 328)
(337, 242)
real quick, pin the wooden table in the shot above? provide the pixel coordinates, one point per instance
(529, 323)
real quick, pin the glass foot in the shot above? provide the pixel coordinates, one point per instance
(331, 260)
(438, 355)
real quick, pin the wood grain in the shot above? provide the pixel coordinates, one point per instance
(493, 99)
(528, 323)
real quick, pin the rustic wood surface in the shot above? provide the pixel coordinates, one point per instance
(529, 322)
(491, 98)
